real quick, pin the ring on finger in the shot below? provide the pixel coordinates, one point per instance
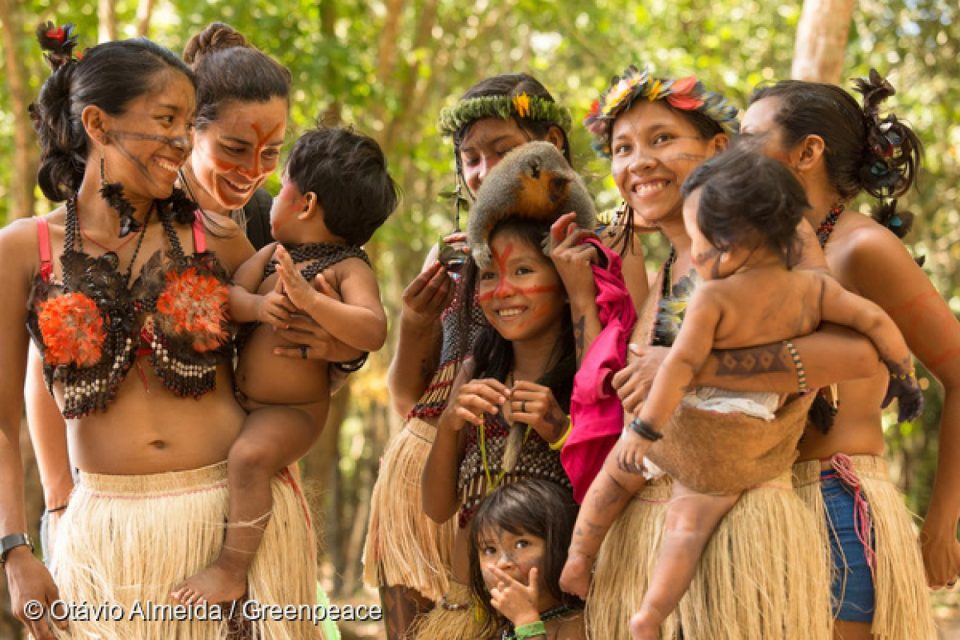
(303, 351)
(523, 406)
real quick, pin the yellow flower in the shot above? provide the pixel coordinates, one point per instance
(522, 104)
(654, 90)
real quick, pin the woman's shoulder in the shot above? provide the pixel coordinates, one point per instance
(866, 248)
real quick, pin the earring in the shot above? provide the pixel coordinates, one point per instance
(112, 192)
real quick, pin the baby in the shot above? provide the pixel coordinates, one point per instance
(741, 211)
(335, 193)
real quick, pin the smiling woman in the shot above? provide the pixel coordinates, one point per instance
(242, 102)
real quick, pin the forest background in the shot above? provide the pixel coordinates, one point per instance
(389, 66)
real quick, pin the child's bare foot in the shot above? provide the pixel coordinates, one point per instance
(213, 585)
(642, 627)
(575, 578)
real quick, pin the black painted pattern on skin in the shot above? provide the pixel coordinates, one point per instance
(579, 327)
(771, 358)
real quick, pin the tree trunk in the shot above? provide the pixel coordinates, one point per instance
(107, 13)
(26, 154)
(822, 40)
(331, 115)
(144, 13)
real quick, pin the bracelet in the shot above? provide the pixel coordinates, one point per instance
(351, 366)
(644, 429)
(57, 509)
(556, 446)
(798, 365)
(531, 630)
(903, 376)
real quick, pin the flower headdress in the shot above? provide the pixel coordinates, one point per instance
(525, 106)
(686, 94)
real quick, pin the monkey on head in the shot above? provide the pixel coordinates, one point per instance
(532, 181)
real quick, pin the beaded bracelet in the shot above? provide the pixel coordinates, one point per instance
(903, 376)
(531, 630)
(556, 446)
(798, 365)
(350, 366)
(645, 430)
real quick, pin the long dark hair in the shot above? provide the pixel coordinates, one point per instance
(534, 507)
(109, 76)
(862, 151)
(748, 197)
(492, 353)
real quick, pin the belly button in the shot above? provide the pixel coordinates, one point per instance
(158, 444)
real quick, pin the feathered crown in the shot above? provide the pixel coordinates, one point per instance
(686, 94)
(525, 106)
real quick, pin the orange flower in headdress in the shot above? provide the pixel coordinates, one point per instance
(72, 330)
(195, 305)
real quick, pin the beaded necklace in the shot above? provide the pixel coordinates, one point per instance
(323, 254)
(74, 243)
(829, 222)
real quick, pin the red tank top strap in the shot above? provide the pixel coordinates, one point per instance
(46, 255)
(199, 233)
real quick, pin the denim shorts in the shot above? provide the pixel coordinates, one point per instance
(852, 587)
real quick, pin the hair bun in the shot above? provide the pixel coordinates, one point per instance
(214, 37)
(57, 43)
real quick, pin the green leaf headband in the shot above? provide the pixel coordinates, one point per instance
(686, 94)
(524, 106)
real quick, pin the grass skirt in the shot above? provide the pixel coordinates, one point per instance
(902, 598)
(129, 540)
(404, 546)
(762, 576)
(461, 623)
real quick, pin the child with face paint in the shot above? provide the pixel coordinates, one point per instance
(336, 192)
(506, 418)
(518, 544)
(741, 211)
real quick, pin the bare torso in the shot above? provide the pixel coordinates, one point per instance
(148, 429)
(857, 427)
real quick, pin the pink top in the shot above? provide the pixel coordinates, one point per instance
(595, 409)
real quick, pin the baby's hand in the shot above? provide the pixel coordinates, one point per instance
(274, 308)
(515, 601)
(903, 386)
(298, 290)
(575, 578)
(630, 450)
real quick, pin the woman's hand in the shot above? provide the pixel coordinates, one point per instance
(472, 400)
(427, 296)
(941, 551)
(517, 602)
(633, 382)
(571, 258)
(534, 405)
(31, 585)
